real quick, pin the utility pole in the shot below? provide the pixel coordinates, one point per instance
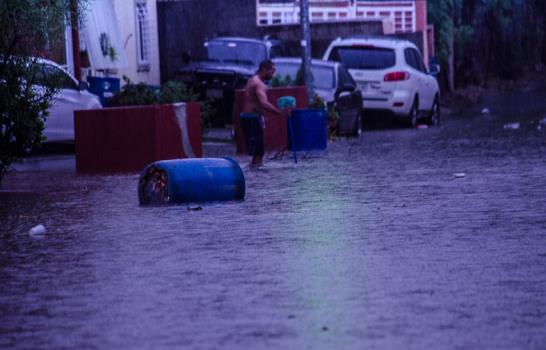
(75, 39)
(306, 48)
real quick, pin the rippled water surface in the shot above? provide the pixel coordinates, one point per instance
(375, 244)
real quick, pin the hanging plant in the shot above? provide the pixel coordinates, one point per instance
(112, 54)
(104, 43)
(106, 47)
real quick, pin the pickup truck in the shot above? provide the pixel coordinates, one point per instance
(230, 62)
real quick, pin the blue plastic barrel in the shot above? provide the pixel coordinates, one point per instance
(195, 180)
(310, 129)
(103, 87)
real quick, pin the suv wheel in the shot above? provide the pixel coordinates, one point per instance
(434, 118)
(412, 116)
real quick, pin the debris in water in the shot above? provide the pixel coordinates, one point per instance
(422, 126)
(37, 230)
(459, 175)
(511, 126)
(324, 328)
(195, 208)
(486, 111)
(541, 123)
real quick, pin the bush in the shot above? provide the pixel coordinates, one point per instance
(29, 27)
(278, 81)
(333, 114)
(175, 91)
(171, 92)
(133, 95)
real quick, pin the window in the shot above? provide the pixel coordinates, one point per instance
(410, 58)
(413, 58)
(323, 77)
(233, 51)
(364, 57)
(142, 36)
(48, 75)
(419, 61)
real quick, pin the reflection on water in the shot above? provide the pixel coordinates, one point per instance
(374, 244)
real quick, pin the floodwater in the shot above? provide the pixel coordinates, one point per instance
(375, 244)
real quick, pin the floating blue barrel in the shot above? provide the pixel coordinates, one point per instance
(310, 129)
(195, 180)
(103, 87)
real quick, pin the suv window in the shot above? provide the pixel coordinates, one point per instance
(413, 58)
(48, 75)
(419, 61)
(410, 59)
(363, 57)
(236, 51)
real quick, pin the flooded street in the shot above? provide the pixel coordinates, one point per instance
(403, 239)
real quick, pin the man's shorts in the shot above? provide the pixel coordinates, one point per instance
(252, 125)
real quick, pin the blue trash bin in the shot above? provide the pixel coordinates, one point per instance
(104, 88)
(195, 180)
(310, 129)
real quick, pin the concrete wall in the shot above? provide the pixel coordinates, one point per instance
(126, 16)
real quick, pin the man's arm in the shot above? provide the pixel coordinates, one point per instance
(262, 97)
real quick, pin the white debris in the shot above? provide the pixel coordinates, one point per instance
(486, 111)
(511, 126)
(459, 175)
(37, 230)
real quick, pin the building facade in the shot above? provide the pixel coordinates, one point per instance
(119, 38)
(399, 17)
(405, 16)
(137, 20)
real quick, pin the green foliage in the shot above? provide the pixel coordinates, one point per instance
(207, 112)
(491, 38)
(278, 81)
(133, 95)
(171, 92)
(317, 102)
(299, 78)
(29, 28)
(333, 114)
(176, 91)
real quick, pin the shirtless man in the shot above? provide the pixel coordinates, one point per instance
(256, 105)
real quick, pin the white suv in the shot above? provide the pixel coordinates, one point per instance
(391, 75)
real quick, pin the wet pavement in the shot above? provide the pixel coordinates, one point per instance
(403, 239)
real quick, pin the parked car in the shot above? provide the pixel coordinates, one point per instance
(391, 75)
(333, 83)
(230, 62)
(59, 124)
